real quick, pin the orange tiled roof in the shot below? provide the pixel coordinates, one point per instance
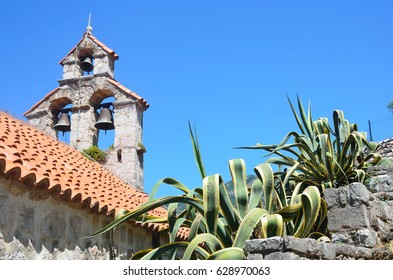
(41, 161)
(111, 52)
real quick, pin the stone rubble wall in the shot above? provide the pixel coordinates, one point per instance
(359, 217)
(360, 221)
(385, 148)
(292, 248)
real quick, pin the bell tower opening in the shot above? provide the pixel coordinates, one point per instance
(61, 111)
(86, 61)
(105, 123)
(63, 125)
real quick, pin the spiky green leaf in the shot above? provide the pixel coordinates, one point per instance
(237, 169)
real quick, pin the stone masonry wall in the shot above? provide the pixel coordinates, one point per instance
(385, 148)
(291, 248)
(360, 221)
(36, 225)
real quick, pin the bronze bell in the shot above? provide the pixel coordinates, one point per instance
(105, 120)
(87, 64)
(63, 123)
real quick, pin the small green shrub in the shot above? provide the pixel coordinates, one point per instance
(141, 148)
(95, 153)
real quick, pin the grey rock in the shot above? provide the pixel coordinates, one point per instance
(366, 238)
(310, 248)
(282, 256)
(342, 238)
(15, 251)
(342, 196)
(354, 252)
(349, 218)
(376, 223)
(3, 250)
(253, 257)
(386, 231)
(381, 253)
(381, 183)
(330, 198)
(389, 195)
(382, 210)
(264, 246)
(358, 194)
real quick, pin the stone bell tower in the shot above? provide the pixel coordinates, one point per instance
(77, 107)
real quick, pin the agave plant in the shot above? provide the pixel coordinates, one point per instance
(216, 227)
(324, 156)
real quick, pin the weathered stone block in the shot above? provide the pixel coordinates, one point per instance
(382, 210)
(254, 257)
(344, 219)
(381, 183)
(330, 198)
(389, 195)
(366, 238)
(376, 223)
(3, 248)
(358, 194)
(264, 246)
(342, 238)
(282, 256)
(310, 248)
(342, 196)
(353, 252)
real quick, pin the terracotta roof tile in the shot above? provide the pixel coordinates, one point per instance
(37, 159)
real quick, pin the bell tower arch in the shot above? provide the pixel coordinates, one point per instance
(76, 107)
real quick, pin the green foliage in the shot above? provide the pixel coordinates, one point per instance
(95, 153)
(217, 227)
(141, 148)
(322, 155)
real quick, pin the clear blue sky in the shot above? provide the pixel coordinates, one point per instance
(226, 66)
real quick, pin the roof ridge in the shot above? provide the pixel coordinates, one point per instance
(111, 52)
(49, 94)
(5, 111)
(132, 93)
